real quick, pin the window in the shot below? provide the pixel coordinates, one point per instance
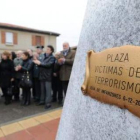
(38, 40)
(9, 38)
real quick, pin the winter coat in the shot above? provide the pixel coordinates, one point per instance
(66, 68)
(46, 68)
(6, 73)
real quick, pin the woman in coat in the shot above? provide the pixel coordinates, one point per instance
(24, 68)
(6, 75)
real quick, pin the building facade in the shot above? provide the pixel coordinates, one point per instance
(13, 38)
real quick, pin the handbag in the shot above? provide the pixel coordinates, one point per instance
(26, 81)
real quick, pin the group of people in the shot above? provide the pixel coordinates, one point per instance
(44, 75)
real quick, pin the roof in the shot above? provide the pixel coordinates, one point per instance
(25, 29)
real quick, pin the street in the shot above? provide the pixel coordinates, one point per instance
(15, 111)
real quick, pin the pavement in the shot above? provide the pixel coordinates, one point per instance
(15, 111)
(38, 127)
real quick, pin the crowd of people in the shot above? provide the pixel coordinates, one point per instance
(38, 75)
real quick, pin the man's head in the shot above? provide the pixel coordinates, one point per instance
(49, 49)
(35, 56)
(66, 46)
(19, 54)
(30, 52)
(39, 49)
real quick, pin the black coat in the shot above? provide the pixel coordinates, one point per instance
(35, 71)
(46, 68)
(6, 73)
(27, 66)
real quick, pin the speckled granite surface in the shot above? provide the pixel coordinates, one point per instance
(107, 23)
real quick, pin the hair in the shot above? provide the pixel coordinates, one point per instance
(7, 54)
(66, 43)
(19, 52)
(26, 54)
(51, 47)
(30, 50)
(13, 55)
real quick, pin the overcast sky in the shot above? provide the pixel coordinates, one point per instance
(62, 16)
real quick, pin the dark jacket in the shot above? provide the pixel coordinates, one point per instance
(6, 73)
(35, 71)
(36, 67)
(31, 57)
(66, 68)
(46, 68)
(27, 66)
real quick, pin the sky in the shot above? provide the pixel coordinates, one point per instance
(61, 16)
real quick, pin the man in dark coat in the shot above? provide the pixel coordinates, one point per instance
(39, 50)
(57, 86)
(36, 82)
(45, 76)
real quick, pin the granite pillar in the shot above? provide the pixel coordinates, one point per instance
(107, 24)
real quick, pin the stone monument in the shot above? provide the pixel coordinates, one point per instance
(107, 24)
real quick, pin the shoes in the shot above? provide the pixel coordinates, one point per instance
(7, 103)
(27, 104)
(60, 103)
(47, 106)
(36, 100)
(22, 104)
(40, 104)
(54, 100)
(16, 100)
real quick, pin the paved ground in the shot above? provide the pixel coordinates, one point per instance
(38, 127)
(16, 111)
